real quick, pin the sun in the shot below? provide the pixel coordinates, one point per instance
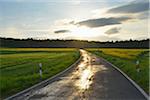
(83, 32)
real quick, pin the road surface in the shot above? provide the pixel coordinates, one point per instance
(92, 79)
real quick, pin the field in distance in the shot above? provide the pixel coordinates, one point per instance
(19, 67)
(125, 59)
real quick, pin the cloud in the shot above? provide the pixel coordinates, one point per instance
(93, 23)
(143, 15)
(72, 22)
(61, 31)
(62, 22)
(114, 30)
(132, 7)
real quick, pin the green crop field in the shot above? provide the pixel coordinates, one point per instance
(125, 60)
(19, 67)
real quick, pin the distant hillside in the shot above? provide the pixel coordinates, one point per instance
(10, 42)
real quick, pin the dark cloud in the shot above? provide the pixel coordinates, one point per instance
(114, 30)
(103, 21)
(61, 31)
(133, 7)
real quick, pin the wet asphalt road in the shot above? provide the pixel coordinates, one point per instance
(92, 79)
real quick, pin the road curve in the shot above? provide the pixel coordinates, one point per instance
(92, 79)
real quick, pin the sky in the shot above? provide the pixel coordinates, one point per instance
(93, 20)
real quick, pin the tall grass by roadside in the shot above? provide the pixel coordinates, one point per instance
(125, 59)
(19, 67)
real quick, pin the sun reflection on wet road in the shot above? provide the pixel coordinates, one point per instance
(85, 80)
(85, 72)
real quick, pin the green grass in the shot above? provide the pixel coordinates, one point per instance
(125, 60)
(19, 66)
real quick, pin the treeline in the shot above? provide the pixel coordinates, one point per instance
(10, 42)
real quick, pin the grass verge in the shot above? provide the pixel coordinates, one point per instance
(19, 67)
(125, 59)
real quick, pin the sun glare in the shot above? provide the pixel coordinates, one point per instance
(81, 32)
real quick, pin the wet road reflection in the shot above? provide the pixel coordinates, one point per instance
(75, 86)
(85, 72)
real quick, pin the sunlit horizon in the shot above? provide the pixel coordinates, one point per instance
(104, 20)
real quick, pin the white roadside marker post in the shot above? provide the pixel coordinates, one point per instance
(137, 66)
(40, 70)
